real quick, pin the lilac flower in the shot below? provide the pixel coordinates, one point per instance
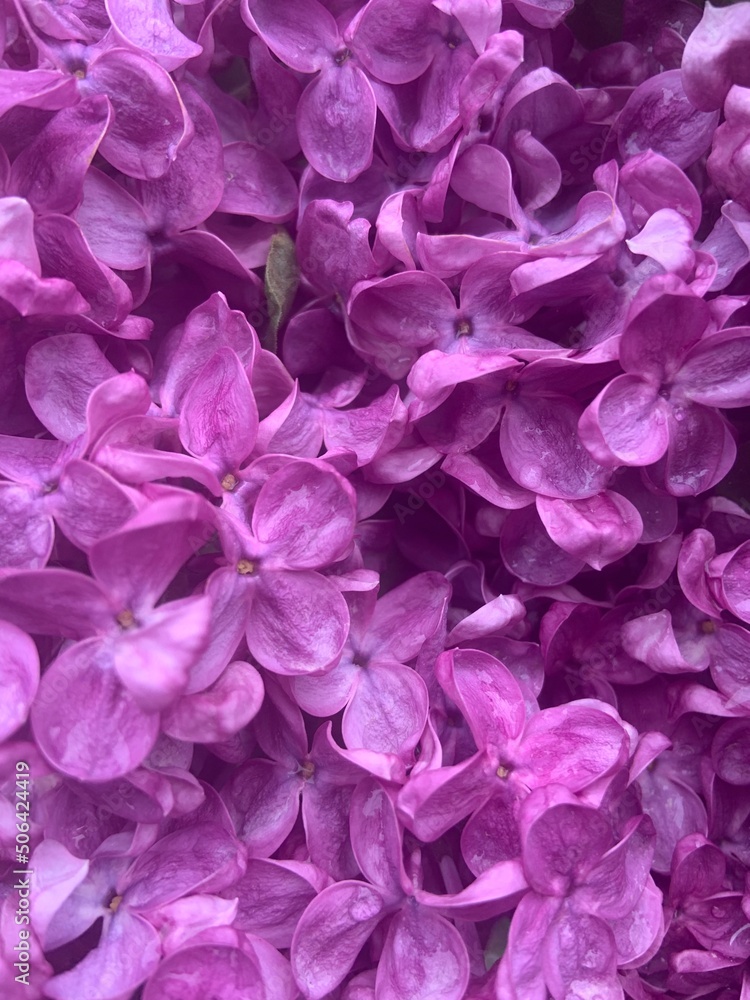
(385, 703)
(134, 656)
(592, 906)
(302, 521)
(514, 754)
(336, 111)
(663, 409)
(263, 796)
(374, 549)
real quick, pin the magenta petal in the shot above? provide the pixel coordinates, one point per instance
(598, 530)
(127, 954)
(149, 27)
(666, 238)
(103, 200)
(200, 857)
(627, 423)
(137, 563)
(377, 838)
(190, 972)
(541, 448)
(387, 711)
(19, 677)
(302, 33)
(27, 531)
(562, 844)
(579, 954)
(712, 62)
(89, 503)
(150, 122)
(65, 254)
(326, 694)
(715, 371)
(220, 711)
(154, 661)
(437, 798)
(70, 140)
(336, 122)
(298, 622)
(615, 885)
(393, 40)
(573, 745)
(40, 88)
(17, 233)
(272, 897)
(56, 602)
(219, 418)
(263, 800)
(495, 890)
(658, 116)
(85, 722)
(730, 751)
(407, 616)
(325, 815)
(423, 957)
(530, 554)
(78, 366)
(639, 934)
(486, 692)
(257, 183)
(192, 187)
(333, 248)
(654, 182)
(701, 451)
(521, 970)
(497, 614)
(483, 176)
(494, 485)
(491, 835)
(414, 309)
(305, 512)
(330, 934)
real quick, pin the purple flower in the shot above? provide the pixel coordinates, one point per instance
(663, 409)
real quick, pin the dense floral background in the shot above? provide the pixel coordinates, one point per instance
(374, 507)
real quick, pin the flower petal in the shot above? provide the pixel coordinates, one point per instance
(84, 720)
(424, 956)
(330, 935)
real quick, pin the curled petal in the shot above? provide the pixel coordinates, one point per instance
(598, 530)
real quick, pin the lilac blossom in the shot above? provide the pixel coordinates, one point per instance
(374, 533)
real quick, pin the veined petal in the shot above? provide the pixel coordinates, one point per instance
(336, 122)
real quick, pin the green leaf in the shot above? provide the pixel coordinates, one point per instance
(281, 281)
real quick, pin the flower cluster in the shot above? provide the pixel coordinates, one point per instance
(374, 534)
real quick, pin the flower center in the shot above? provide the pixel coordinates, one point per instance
(463, 328)
(502, 771)
(229, 482)
(342, 56)
(307, 769)
(125, 619)
(708, 627)
(245, 567)
(115, 903)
